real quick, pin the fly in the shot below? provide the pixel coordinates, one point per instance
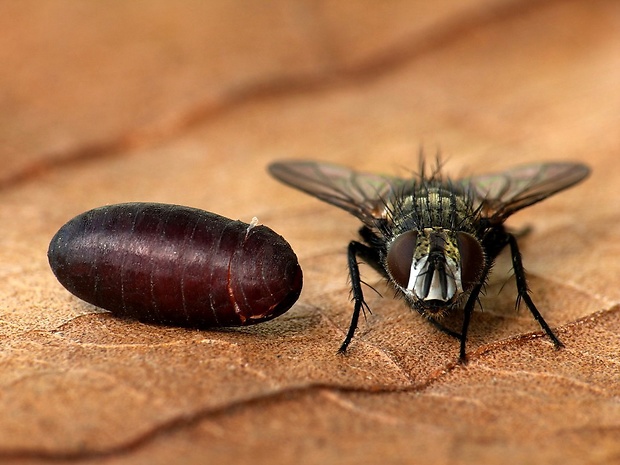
(434, 239)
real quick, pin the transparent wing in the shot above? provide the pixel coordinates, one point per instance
(361, 194)
(502, 194)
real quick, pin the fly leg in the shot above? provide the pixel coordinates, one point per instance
(469, 309)
(494, 241)
(443, 328)
(370, 255)
(523, 291)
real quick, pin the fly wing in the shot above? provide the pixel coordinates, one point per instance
(361, 194)
(502, 194)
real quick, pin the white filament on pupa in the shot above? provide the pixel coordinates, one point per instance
(252, 224)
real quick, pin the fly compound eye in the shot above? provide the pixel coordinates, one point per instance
(400, 256)
(472, 259)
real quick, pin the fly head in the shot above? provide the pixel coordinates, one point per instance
(435, 267)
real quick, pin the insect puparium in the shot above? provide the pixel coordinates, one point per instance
(434, 239)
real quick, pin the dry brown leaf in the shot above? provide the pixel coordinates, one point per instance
(187, 104)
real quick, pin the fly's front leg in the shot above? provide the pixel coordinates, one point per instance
(356, 249)
(523, 291)
(495, 239)
(469, 309)
(443, 328)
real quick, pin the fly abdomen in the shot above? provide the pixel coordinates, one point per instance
(176, 265)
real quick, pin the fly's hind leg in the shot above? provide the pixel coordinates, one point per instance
(523, 291)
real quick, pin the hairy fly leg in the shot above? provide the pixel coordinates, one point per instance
(442, 328)
(494, 241)
(469, 309)
(524, 292)
(368, 254)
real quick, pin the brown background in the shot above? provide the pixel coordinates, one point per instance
(106, 102)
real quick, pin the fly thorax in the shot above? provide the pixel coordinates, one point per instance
(435, 266)
(431, 207)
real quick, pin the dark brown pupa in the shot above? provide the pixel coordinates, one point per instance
(176, 265)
